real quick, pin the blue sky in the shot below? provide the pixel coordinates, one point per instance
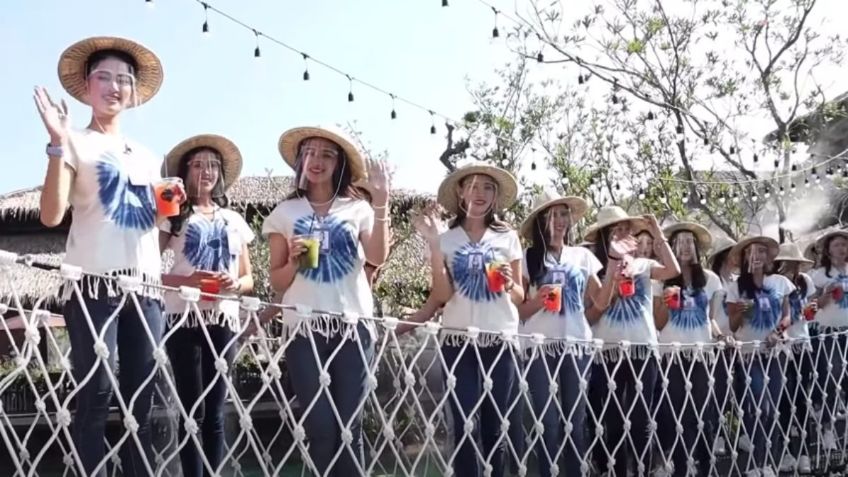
(416, 49)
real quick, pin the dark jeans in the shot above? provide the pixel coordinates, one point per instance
(627, 403)
(193, 363)
(689, 408)
(126, 339)
(480, 411)
(343, 361)
(764, 398)
(832, 351)
(799, 378)
(569, 369)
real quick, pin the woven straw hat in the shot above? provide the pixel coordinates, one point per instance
(736, 251)
(548, 198)
(704, 237)
(611, 215)
(721, 244)
(290, 142)
(507, 186)
(790, 252)
(231, 160)
(74, 61)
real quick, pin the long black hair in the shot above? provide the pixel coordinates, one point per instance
(491, 220)
(699, 278)
(824, 254)
(219, 198)
(535, 256)
(718, 262)
(746, 285)
(797, 278)
(342, 176)
(602, 244)
(95, 58)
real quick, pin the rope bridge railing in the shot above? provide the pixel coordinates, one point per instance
(362, 399)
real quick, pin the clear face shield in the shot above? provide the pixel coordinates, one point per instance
(474, 190)
(316, 157)
(205, 175)
(685, 247)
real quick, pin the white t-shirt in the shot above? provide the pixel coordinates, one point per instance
(113, 210)
(718, 306)
(212, 245)
(767, 307)
(631, 318)
(797, 303)
(835, 314)
(690, 323)
(572, 269)
(472, 304)
(339, 283)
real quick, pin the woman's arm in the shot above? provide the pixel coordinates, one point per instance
(531, 305)
(661, 312)
(56, 190)
(425, 313)
(606, 291)
(736, 314)
(283, 266)
(376, 241)
(516, 291)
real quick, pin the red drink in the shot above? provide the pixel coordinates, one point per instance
(167, 197)
(494, 277)
(673, 299)
(626, 288)
(553, 299)
(838, 293)
(210, 285)
(809, 312)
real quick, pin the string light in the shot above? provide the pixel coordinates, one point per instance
(394, 112)
(540, 57)
(650, 116)
(495, 32)
(444, 3)
(256, 52)
(722, 198)
(433, 126)
(702, 198)
(149, 3)
(305, 66)
(732, 149)
(205, 28)
(641, 194)
(706, 141)
(767, 193)
(735, 197)
(350, 91)
(580, 79)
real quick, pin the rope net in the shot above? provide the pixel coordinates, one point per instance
(118, 392)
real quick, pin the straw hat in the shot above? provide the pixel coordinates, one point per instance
(548, 198)
(230, 156)
(773, 247)
(821, 240)
(790, 252)
(507, 187)
(74, 60)
(704, 237)
(290, 142)
(611, 215)
(721, 244)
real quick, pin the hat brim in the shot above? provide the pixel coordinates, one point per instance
(821, 240)
(704, 237)
(576, 206)
(231, 160)
(637, 224)
(714, 253)
(73, 63)
(770, 243)
(290, 142)
(507, 186)
(800, 260)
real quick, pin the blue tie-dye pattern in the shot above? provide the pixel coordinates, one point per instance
(796, 306)
(766, 319)
(625, 311)
(207, 246)
(572, 289)
(843, 303)
(470, 278)
(129, 206)
(343, 253)
(693, 317)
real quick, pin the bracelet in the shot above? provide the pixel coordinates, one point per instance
(379, 207)
(382, 219)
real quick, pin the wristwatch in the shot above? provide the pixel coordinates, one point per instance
(55, 151)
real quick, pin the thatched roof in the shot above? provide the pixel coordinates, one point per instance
(808, 127)
(30, 283)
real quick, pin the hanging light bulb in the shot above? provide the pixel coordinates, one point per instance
(782, 191)
(393, 115)
(564, 180)
(732, 149)
(205, 28)
(767, 193)
(444, 3)
(706, 141)
(685, 198)
(641, 194)
(580, 79)
(614, 98)
(540, 57)
(735, 197)
(495, 32)
(806, 182)
(679, 130)
(702, 199)
(722, 198)
(617, 186)
(792, 187)
(794, 168)
(845, 173)
(829, 173)
(433, 121)
(305, 67)
(533, 166)
(650, 116)
(256, 52)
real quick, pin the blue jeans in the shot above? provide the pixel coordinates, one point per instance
(799, 378)
(347, 389)
(833, 351)
(689, 408)
(125, 338)
(469, 371)
(569, 369)
(193, 363)
(637, 407)
(762, 397)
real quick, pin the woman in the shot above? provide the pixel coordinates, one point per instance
(831, 281)
(551, 266)
(685, 318)
(628, 318)
(209, 242)
(476, 266)
(799, 367)
(758, 307)
(326, 223)
(107, 179)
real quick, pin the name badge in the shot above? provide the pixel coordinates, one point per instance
(558, 277)
(844, 284)
(765, 303)
(689, 302)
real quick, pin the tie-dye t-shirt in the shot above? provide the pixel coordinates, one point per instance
(572, 269)
(797, 303)
(631, 318)
(211, 244)
(690, 323)
(338, 284)
(112, 205)
(718, 307)
(472, 303)
(835, 314)
(767, 309)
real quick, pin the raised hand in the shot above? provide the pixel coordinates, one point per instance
(428, 225)
(379, 181)
(56, 117)
(622, 248)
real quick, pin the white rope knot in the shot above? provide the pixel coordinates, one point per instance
(612, 386)
(191, 426)
(468, 427)
(68, 460)
(7, 259)
(129, 284)
(639, 387)
(451, 382)
(624, 346)
(100, 349)
(488, 384)
(568, 428)
(70, 273)
(598, 344)
(274, 371)
(250, 303)
(324, 379)
(652, 425)
(390, 323)
(409, 379)
(553, 386)
(65, 362)
(688, 386)
(522, 470)
(678, 428)
(523, 385)
(711, 380)
(599, 430)
(24, 454)
(757, 344)
(190, 294)
(583, 384)
(487, 471)
(389, 433)
(160, 357)
(432, 328)
(350, 318)
(130, 423)
(32, 336)
(267, 458)
(473, 332)
(40, 406)
(299, 433)
(303, 311)
(537, 339)
(627, 425)
(372, 382)
(21, 362)
(509, 336)
(237, 467)
(221, 366)
(246, 423)
(116, 460)
(700, 425)
(675, 347)
(504, 425)
(448, 472)
(720, 345)
(3, 309)
(63, 417)
(584, 468)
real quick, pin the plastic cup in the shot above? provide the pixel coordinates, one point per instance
(210, 285)
(626, 288)
(553, 299)
(494, 278)
(838, 293)
(311, 256)
(673, 299)
(167, 199)
(809, 312)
